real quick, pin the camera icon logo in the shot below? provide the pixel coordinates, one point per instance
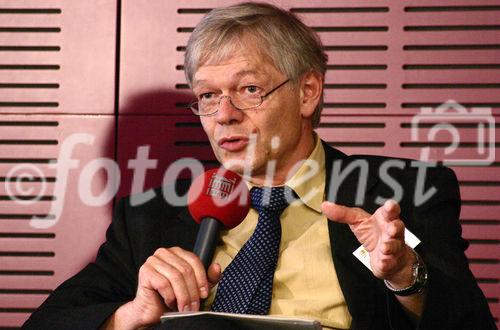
(432, 126)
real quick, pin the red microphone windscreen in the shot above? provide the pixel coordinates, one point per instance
(219, 194)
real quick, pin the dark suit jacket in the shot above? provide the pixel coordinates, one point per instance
(454, 300)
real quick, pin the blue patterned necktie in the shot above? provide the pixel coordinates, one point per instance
(247, 283)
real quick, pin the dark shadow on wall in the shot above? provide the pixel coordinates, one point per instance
(155, 130)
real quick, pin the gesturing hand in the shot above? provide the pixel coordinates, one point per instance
(382, 235)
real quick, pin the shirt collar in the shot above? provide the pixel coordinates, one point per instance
(309, 181)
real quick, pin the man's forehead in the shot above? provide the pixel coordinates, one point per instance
(235, 67)
(205, 74)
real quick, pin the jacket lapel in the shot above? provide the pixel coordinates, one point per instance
(180, 232)
(356, 281)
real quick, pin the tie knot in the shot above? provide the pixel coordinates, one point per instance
(270, 199)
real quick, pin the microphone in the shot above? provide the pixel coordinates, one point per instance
(216, 199)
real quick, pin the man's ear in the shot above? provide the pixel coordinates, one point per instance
(311, 88)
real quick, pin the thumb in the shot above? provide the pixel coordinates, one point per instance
(343, 214)
(213, 274)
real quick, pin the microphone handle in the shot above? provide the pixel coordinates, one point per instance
(206, 240)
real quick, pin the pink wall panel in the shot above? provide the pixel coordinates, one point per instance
(57, 78)
(33, 258)
(72, 39)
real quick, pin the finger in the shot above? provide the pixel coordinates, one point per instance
(392, 237)
(390, 210)
(200, 274)
(187, 274)
(386, 213)
(151, 280)
(176, 280)
(173, 258)
(343, 214)
(392, 247)
(395, 230)
(214, 274)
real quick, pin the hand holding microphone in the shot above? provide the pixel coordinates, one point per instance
(175, 279)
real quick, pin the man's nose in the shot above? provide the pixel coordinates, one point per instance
(227, 113)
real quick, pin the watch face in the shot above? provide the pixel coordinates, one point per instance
(421, 274)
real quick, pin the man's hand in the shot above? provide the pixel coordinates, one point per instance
(171, 279)
(382, 235)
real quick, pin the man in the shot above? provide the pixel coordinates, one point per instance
(257, 73)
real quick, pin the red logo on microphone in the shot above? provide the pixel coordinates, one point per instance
(220, 186)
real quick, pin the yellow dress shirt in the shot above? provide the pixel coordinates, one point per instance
(305, 283)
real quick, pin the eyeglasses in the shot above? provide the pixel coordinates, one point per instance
(209, 104)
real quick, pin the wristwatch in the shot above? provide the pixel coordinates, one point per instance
(419, 272)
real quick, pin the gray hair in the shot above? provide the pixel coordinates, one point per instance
(293, 47)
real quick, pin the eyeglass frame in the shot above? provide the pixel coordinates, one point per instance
(190, 106)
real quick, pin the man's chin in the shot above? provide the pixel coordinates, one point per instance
(239, 166)
(236, 168)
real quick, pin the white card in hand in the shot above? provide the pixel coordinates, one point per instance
(362, 254)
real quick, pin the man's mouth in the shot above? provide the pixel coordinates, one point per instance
(233, 143)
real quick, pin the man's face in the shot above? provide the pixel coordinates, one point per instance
(277, 125)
